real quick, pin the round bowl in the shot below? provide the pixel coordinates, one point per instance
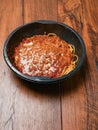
(39, 27)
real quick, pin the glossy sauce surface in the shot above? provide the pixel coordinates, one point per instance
(43, 55)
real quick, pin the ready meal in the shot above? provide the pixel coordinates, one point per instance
(45, 55)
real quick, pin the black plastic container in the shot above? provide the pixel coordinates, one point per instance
(39, 27)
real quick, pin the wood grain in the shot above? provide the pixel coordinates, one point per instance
(10, 17)
(91, 76)
(35, 10)
(70, 105)
(83, 113)
(23, 108)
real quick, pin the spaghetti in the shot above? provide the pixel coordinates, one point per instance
(45, 55)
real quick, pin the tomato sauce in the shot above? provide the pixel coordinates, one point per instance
(42, 55)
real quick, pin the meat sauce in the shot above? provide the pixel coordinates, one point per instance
(42, 55)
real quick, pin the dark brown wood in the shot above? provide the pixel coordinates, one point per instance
(71, 105)
(80, 94)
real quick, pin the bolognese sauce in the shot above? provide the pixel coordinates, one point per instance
(44, 55)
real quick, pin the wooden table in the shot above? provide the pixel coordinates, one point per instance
(71, 105)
